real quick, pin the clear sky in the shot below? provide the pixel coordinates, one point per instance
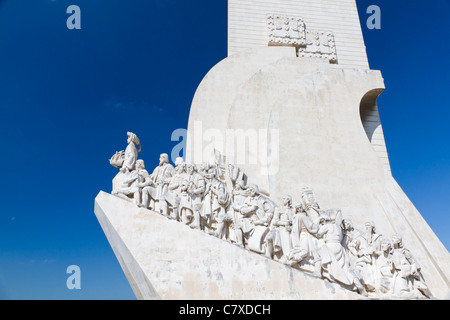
(68, 97)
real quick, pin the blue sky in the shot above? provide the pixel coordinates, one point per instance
(68, 97)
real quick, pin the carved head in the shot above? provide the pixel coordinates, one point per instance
(299, 207)
(210, 173)
(308, 197)
(140, 164)
(370, 227)
(386, 245)
(347, 225)
(163, 158)
(253, 190)
(397, 241)
(191, 167)
(132, 138)
(204, 167)
(179, 161)
(287, 200)
(180, 165)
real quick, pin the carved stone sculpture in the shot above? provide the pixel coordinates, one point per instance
(125, 160)
(217, 200)
(333, 257)
(196, 190)
(284, 30)
(131, 152)
(304, 253)
(134, 183)
(407, 280)
(319, 44)
(292, 31)
(159, 192)
(280, 241)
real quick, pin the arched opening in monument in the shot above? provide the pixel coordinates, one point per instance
(370, 119)
(368, 111)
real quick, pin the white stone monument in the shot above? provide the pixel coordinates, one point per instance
(286, 192)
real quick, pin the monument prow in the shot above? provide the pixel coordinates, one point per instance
(165, 259)
(200, 232)
(293, 116)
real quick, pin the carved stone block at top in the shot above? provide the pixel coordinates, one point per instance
(292, 31)
(285, 30)
(319, 44)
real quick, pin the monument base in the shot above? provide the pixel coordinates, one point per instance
(166, 259)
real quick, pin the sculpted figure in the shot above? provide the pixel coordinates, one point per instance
(125, 161)
(373, 240)
(222, 215)
(156, 196)
(162, 173)
(371, 250)
(407, 282)
(203, 168)
(186, 208)
(134, 183)
(235, 174)
(385, 269)
(305, 246)
(196, 190)
(310, 204)
(278, 240)
(304, 236)
(178, 177)
(334, 259)
(256, 215)
(363, 263)
(238, 197)
(243, 211)
(350, 233)
(215, 203)
(131, 153)
(353, 239)
(362, 258)
(173, 193)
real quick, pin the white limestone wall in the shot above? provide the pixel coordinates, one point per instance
(247, 25)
